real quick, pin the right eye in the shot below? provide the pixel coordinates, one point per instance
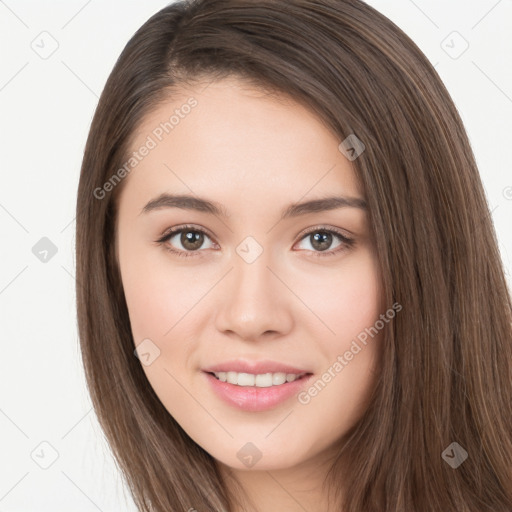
(190, 238)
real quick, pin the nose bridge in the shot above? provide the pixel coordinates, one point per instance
(251, 260)
(253, 300)
(252, 277)
(252, 282)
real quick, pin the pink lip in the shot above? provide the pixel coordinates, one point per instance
(252, 398)
(255, 367)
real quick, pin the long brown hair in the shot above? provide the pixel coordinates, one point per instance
(447, 357)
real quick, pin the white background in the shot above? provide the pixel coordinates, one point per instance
(46, 106)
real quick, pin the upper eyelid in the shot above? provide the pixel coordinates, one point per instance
(336, 231)
(173, 231)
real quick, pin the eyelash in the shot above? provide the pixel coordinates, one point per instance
(346, 243)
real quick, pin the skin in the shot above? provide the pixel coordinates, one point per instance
(255, 154)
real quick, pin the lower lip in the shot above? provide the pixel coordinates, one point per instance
(252, 398)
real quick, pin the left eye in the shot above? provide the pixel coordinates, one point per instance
(320, 240)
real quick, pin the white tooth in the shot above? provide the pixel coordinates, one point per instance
(245, 379)
(278, 378)
(264, 380)
(232, 377)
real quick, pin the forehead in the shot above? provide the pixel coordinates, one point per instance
(228, 137)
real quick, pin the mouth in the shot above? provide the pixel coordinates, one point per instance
(252, 392)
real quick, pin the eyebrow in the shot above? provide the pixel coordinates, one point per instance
(199, 204)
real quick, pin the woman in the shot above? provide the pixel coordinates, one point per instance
(292, 293)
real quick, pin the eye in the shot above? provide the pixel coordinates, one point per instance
(190, 238)
(320, 239)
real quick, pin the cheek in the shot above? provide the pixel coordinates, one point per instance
(158, 302)
(350, 306)
(157, 295)
(349, 300)
(148, 301)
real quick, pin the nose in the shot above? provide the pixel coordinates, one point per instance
(254, 301)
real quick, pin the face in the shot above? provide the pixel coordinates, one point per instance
(233, 280)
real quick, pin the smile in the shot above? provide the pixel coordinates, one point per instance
(256, 392)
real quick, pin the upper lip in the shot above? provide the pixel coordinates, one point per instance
(254, 367)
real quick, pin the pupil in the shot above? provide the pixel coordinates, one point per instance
(323, 239)
(192, 240)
